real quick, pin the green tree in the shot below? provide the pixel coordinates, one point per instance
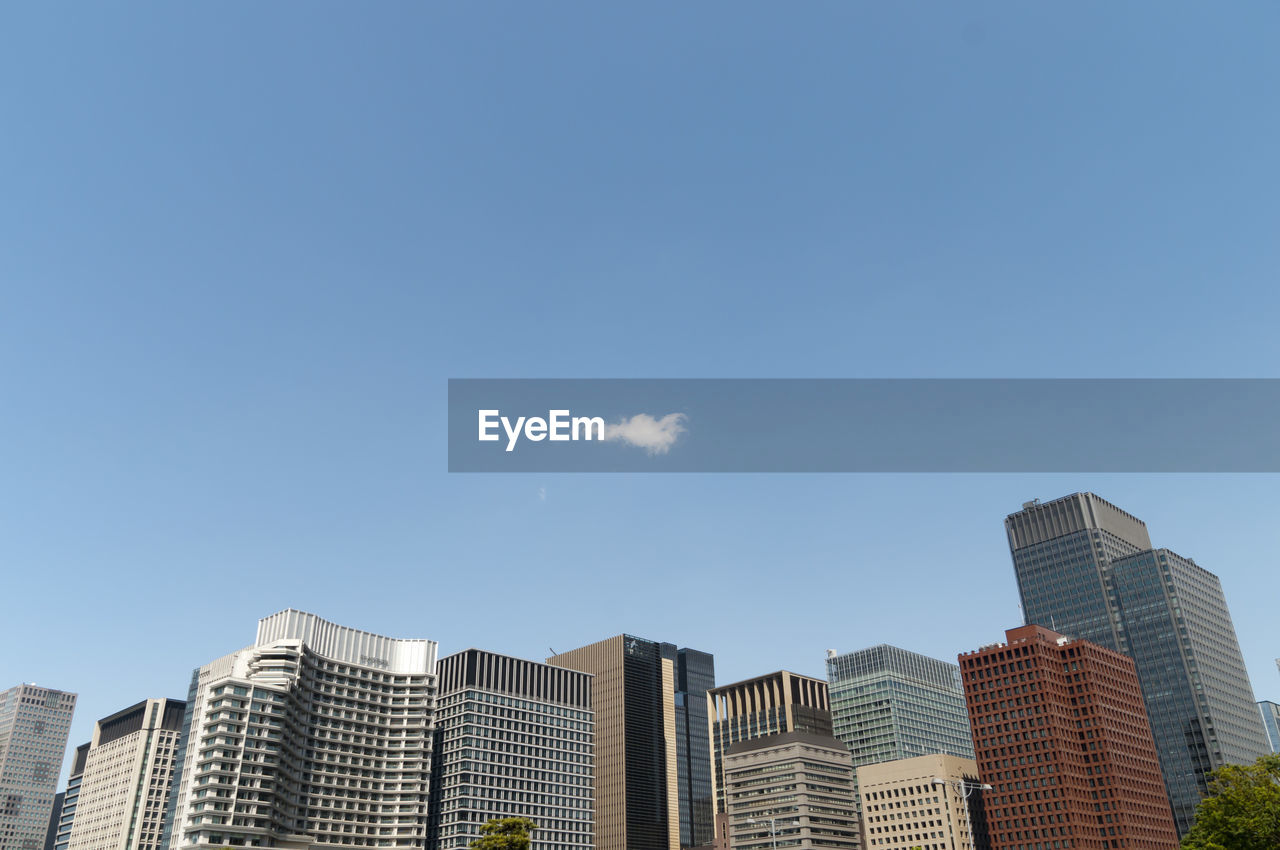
(505, 834)
(1242, 810)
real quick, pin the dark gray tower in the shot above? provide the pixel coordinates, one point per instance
(695, 674)
(1087, 569)
(513, 738)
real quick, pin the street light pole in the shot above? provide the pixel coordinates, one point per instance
(964, 789)
(773, 830)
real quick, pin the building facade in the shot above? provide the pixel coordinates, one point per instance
(636, 782)
(1271, 722)
(1087, 569)
(766, 705)
(929, 802)
(695, 676)
(513, 738)
(1198, 696)
(1062, 738)
(70, 798)
(316, 735)
(123, 790)
(34, 724)
(888, 704)
(794, 790)
(51, 835)
(1061, 550)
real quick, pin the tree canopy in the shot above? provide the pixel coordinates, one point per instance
(1242, 810)
(505, 834)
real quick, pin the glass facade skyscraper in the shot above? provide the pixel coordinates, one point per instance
(637, 758)
(695, 674)
(888, 703)
(1271, 722)
(1087, 569)
(1061, 552)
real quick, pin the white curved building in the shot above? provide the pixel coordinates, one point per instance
(317, 734)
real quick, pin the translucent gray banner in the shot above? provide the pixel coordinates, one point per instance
(864, 425)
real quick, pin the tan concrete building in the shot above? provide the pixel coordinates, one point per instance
(904, 805)
(128, 771)
(636, 785)
(793, 790)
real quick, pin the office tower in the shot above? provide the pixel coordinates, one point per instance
(756, 708)
(793, 789)
(636, 785)
(929, 802)
(888, 703)
(1061, 551)
(695, 675)
(34, 724)
(513, 739)
(316, 734)
(70, 797)
(51, 835)
(1271, 722)
(1062, 738)
(124, 785)
(1086, 568)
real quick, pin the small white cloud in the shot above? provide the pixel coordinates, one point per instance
(655, 436)
(542, 494)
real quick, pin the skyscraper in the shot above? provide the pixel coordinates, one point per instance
(766, 705)
(123, 789)
(636, 786)
(66, 817)
(317, 734)
(34, 724)
(695, 675)
(1271, 722)
(888, 703)
(1062, 739)
(513, 739)
(1086, 568)
(1061, 553)
(50, 837)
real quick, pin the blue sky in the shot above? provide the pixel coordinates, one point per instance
(242, 249)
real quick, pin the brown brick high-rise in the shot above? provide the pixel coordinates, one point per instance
(1061, 734)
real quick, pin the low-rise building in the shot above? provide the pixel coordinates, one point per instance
(792, 790)
(928, 802)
